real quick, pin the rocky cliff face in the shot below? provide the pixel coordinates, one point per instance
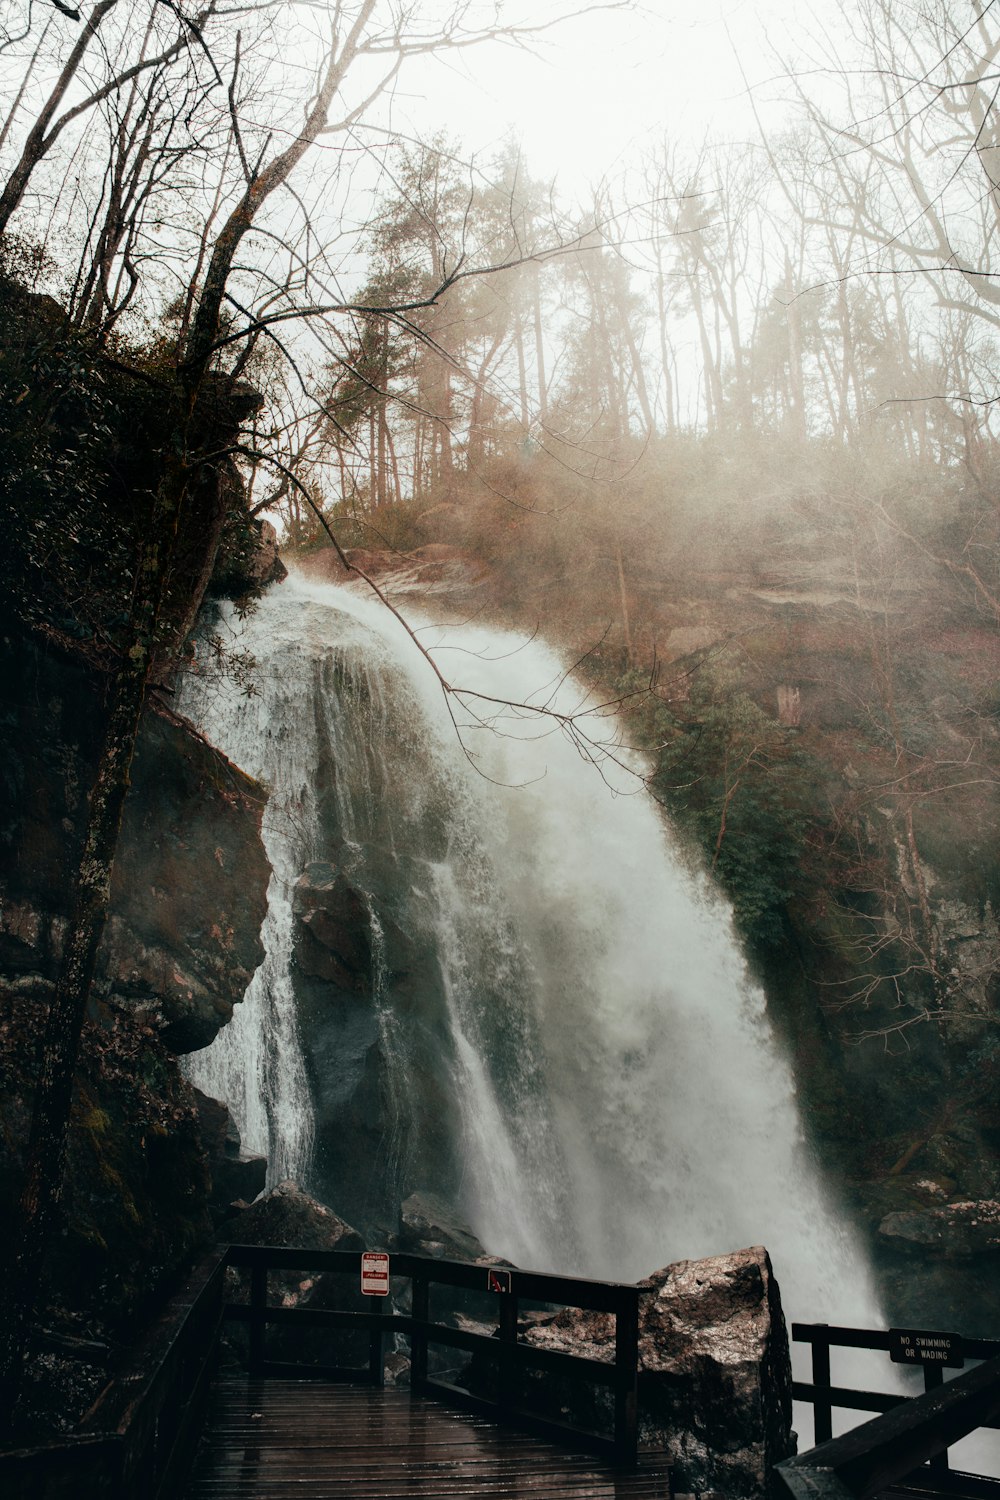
(183, 939)
(190, 881)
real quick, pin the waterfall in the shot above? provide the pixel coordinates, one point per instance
(553, 988)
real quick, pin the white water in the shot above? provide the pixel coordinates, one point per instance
(622, 1101)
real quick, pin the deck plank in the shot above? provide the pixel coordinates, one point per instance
(283, 1439)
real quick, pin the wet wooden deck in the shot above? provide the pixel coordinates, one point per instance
(274, 1439)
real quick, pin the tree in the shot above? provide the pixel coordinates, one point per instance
(909, 192)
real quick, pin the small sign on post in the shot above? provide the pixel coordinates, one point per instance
(375, 1273)
(497, 1281)
(914, 1346)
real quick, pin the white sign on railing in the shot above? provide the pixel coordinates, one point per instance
(375, 1273)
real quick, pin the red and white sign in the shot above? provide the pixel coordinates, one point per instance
(375, 1273)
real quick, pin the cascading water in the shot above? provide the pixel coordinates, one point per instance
(591, 1043)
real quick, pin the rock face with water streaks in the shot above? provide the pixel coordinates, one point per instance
(332, 933)
(715, 1376)
(190, 881)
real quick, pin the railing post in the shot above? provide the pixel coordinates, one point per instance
(933, 1378)
(420, 1300)
(507, 1354)
(258, 1307)
(822, 1405)
(376, 1351)
(627, 1369)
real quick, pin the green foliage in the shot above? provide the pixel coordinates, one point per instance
(736, 781)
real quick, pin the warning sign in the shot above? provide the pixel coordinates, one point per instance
(915, 1346)
(375, 1273)
(497, 1281)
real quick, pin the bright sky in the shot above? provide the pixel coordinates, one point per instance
(600, 85)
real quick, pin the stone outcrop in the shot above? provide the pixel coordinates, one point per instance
(437, 570)
(941, 1262)
(289, 1216)
(333, 929)
(190, 880)
(715, 1378)
(955, 1230)
(430, 1226)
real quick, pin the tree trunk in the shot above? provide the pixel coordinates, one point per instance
(36, 144)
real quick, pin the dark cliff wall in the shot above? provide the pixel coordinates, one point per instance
(188, 900)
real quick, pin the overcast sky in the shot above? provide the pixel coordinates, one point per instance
(598, 86)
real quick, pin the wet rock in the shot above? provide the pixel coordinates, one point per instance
(396, 1370)
(190, 887)
(236, 1175)
(333, 931)
(954, 1231)
(190, 881)
(430, 1226)
(715, 1376)
(288, 1216)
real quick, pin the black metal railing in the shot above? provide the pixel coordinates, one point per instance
(513, 1359)
(906, 1447)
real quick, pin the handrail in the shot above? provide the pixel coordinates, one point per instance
(140, 1434)
(824, 1396)
(892, 1447)
(138, 1439)
(510, 1354)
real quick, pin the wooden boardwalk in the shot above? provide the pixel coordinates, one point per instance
(274, 1439)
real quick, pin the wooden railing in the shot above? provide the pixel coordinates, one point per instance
(137, 1441)
(906, 1447)
(887, 1452)
(824, 1397)
(511, 1356)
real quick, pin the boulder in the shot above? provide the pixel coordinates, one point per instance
(954, 1230)
(430, 1226)
(715, 1372)
(715, 1381)
(288, 1216)
(266, 565)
